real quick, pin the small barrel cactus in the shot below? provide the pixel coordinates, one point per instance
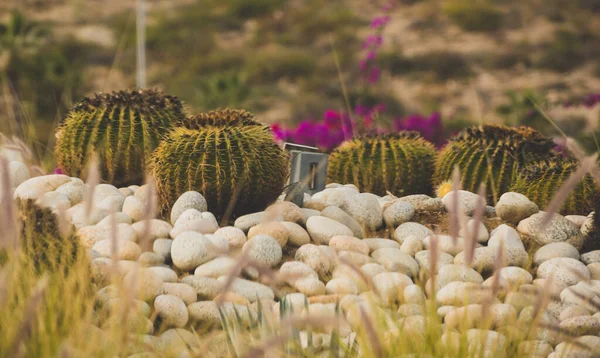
(225, 155)
(540, 181)
(491, 154)
(122, 128)
(401, 163)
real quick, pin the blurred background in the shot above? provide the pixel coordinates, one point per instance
(305, 66)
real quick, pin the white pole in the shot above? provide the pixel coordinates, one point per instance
(141, 44)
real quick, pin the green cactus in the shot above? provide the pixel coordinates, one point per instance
(225, 155)
(122, 128)
(402, 164)
(491, 154)
(540, 181)
(41, 240)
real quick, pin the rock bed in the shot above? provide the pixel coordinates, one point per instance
(342, 248)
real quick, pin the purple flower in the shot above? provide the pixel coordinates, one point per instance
(374, 75)
(379, 21)
(591, 100)
(372, 40)
(429, 127)
(57, 170)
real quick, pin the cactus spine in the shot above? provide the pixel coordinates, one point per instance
(491, 154)
(540, 181)
(402, 164)
(122, 128)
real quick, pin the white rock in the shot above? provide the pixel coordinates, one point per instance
(245, 222)
(391, 285)
(115, 218)
(576, 219)
(285, 211)
(74, 190)
(452, 273)
(446, 243)
(319, 258)
(310, 286)
(154, 228)
(182, 290)
(190, 250)
(34, 188)
(297, 235)
(377, 243)
(411, 229)
(411, 246)
(145, 284)
(134, 208)
(235, 236)
(481, 233)
(558, 230)
(188, 200)
(365, 209)
(163, 248)
(555, 249)
(322, 229)
(19, 173)
(372, 269)
(125, 250)
(203, 224)
(423, 258)
(79, 218)
(217, 267)
(514, 207)
(292, 271)
(171, 310)
(510, 278)
(339, 215)
(590, 257)
(395, 260)
(165, 273)
(126, 191)
(264, 249)
(253, 291)
(565, 269)
(348, 243)
(459, 293)
(342, 286)
(398, 213)
(273, 229)
(207, 288)
(467, 201)
(149, 258)
(335, 196)
(54, 201)
(414, 294)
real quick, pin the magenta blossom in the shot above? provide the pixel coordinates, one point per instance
(57, 170)
(430, 127)
(379, 21)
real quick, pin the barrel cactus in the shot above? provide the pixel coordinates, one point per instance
(228, 157)
(491, 154)
(122, 128)
(400, 163)
(540, 181)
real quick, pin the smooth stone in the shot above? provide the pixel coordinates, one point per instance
(113, 204)
(375, 244)
(391, 285)
(292, 271)
(565, 269)
(414, 294)
(188, 200)
(171, 310)
(534, 348)
(285, 211)
(178, 342)
(322, 229)
(253, 291)
(134, 208)
(273, 229)
(335, 196)
(297, 235)
(482, 235)
(590, 257)
(411, 246)
(165, 273)
(424, 258)
(115, 219)
(206, 288)
(594, 269)
(581, 326)
(339, 215)
(263, 249)
(217, 267)
(398, 213)
(411, 229)
(349, 243)
(154, 229)
(90, 235)
(365, 209)
(235, 236)
(200, 225)
(394, 260)
(245, 222)
(54, 201)
(319, 257)
(576, 219)
(151, 259)
(343, 286)
(80, 218)
(372, 269)
(514, 207)
(467, 201)
(34, 188)
(182, 290)
(446, 243)
(453, 273)
(19, 173)
(509, 278)
(124, 250)
(163, 248)
(73, 190)
(558, 230)
(310, 286)
(146, 285)
(459, 293)
(411, 309)
(553, 250)
(190, 250)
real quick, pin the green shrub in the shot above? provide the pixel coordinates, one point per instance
(225, 155)
(569, 50)
(491, 154)
(402, 164)
(122, 128)
(277, 63)
(474, 15)
(440, 65)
